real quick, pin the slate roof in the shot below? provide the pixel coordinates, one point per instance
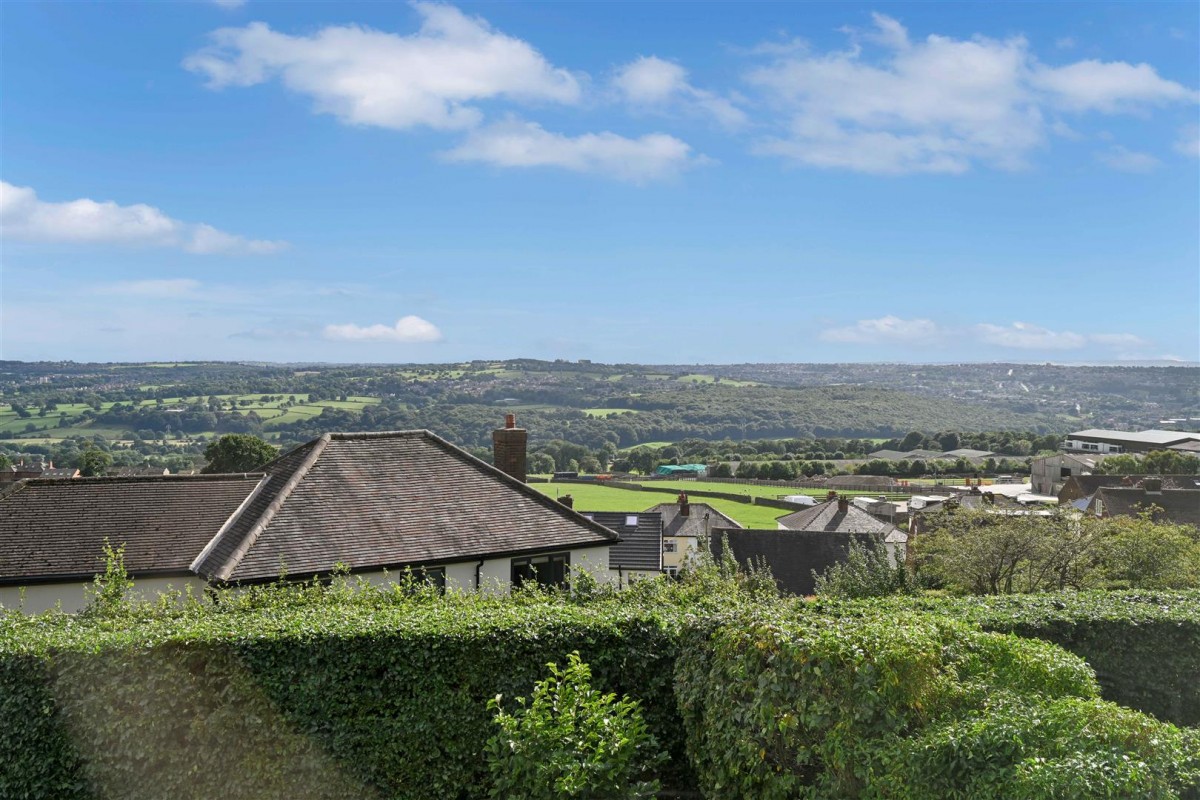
(1187, 447)
(640, 547)
(1084, 486)
(791, 555)
(386, 500)
(826, 517)
(694, 524)
(54, 530)
(1180, 506)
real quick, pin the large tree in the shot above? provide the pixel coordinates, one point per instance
(94, 462)
(237, 452)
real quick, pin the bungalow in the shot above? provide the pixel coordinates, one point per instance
(377, 503)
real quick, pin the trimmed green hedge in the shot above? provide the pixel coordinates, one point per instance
(911, 706)
(1144, 646)
(322, 702)
(384, 695)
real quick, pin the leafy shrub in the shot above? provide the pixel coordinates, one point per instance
(866, 572)
(877, 706)
(571, 741)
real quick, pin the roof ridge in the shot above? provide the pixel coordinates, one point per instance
(342, 436)
(215, 476)
(239, 552)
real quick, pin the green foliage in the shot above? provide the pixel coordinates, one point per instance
(109, 590)
(1142, 554)
(977, 552)
(347, 690)
(1156, 462)
(913, 706)
(94, 462)
(866, 572)
(1144, 646)
(572, 741)
(237, 452)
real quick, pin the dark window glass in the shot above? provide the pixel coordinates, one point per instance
(546, 571)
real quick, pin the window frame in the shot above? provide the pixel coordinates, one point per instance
(522, 570)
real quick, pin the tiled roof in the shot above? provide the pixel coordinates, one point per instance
(827, 517)
(1088, 485)
(374, 500)
(55, 529)
(640, 547)
(699, 522)
(1180, 506)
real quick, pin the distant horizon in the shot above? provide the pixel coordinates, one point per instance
(822, 182)
(252, 361)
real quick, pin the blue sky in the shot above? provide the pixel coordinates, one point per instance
(665, 182)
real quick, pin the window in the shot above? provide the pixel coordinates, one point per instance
(1064, 472)
(550, 570)
(434, 576)
(631, 520)
(670, 546)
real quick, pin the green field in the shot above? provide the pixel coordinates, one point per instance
(608, 412)
(48, 431)
(608, 498)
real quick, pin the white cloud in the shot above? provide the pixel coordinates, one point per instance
(369, 77)
(1065, 43)
(938, 105)
(1126, 160)
(651, 82)
(1110, 87)
(515, 143)
(1027, 336)
(1119, 340)
(1188, 142)
(407, 329)
(23, 216)
(229, 3)
(158, 287)
(885, 330)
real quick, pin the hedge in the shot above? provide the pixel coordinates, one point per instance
(321, 702)
(384, 695)
(1144, 646)
(911, 706)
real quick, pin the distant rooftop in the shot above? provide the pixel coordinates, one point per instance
(1152, 436)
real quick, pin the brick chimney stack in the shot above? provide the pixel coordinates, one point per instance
(509, 448)
(567, 501)
(843, 505)
(685, 508)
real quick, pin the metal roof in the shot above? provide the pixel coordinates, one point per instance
(1151, 436)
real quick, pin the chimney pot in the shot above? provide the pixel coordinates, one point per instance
(510, 421)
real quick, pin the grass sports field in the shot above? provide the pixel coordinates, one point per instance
(607, 498)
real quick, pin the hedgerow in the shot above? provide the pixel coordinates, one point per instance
(324, 692)
(1144, 646)
(910, 706)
